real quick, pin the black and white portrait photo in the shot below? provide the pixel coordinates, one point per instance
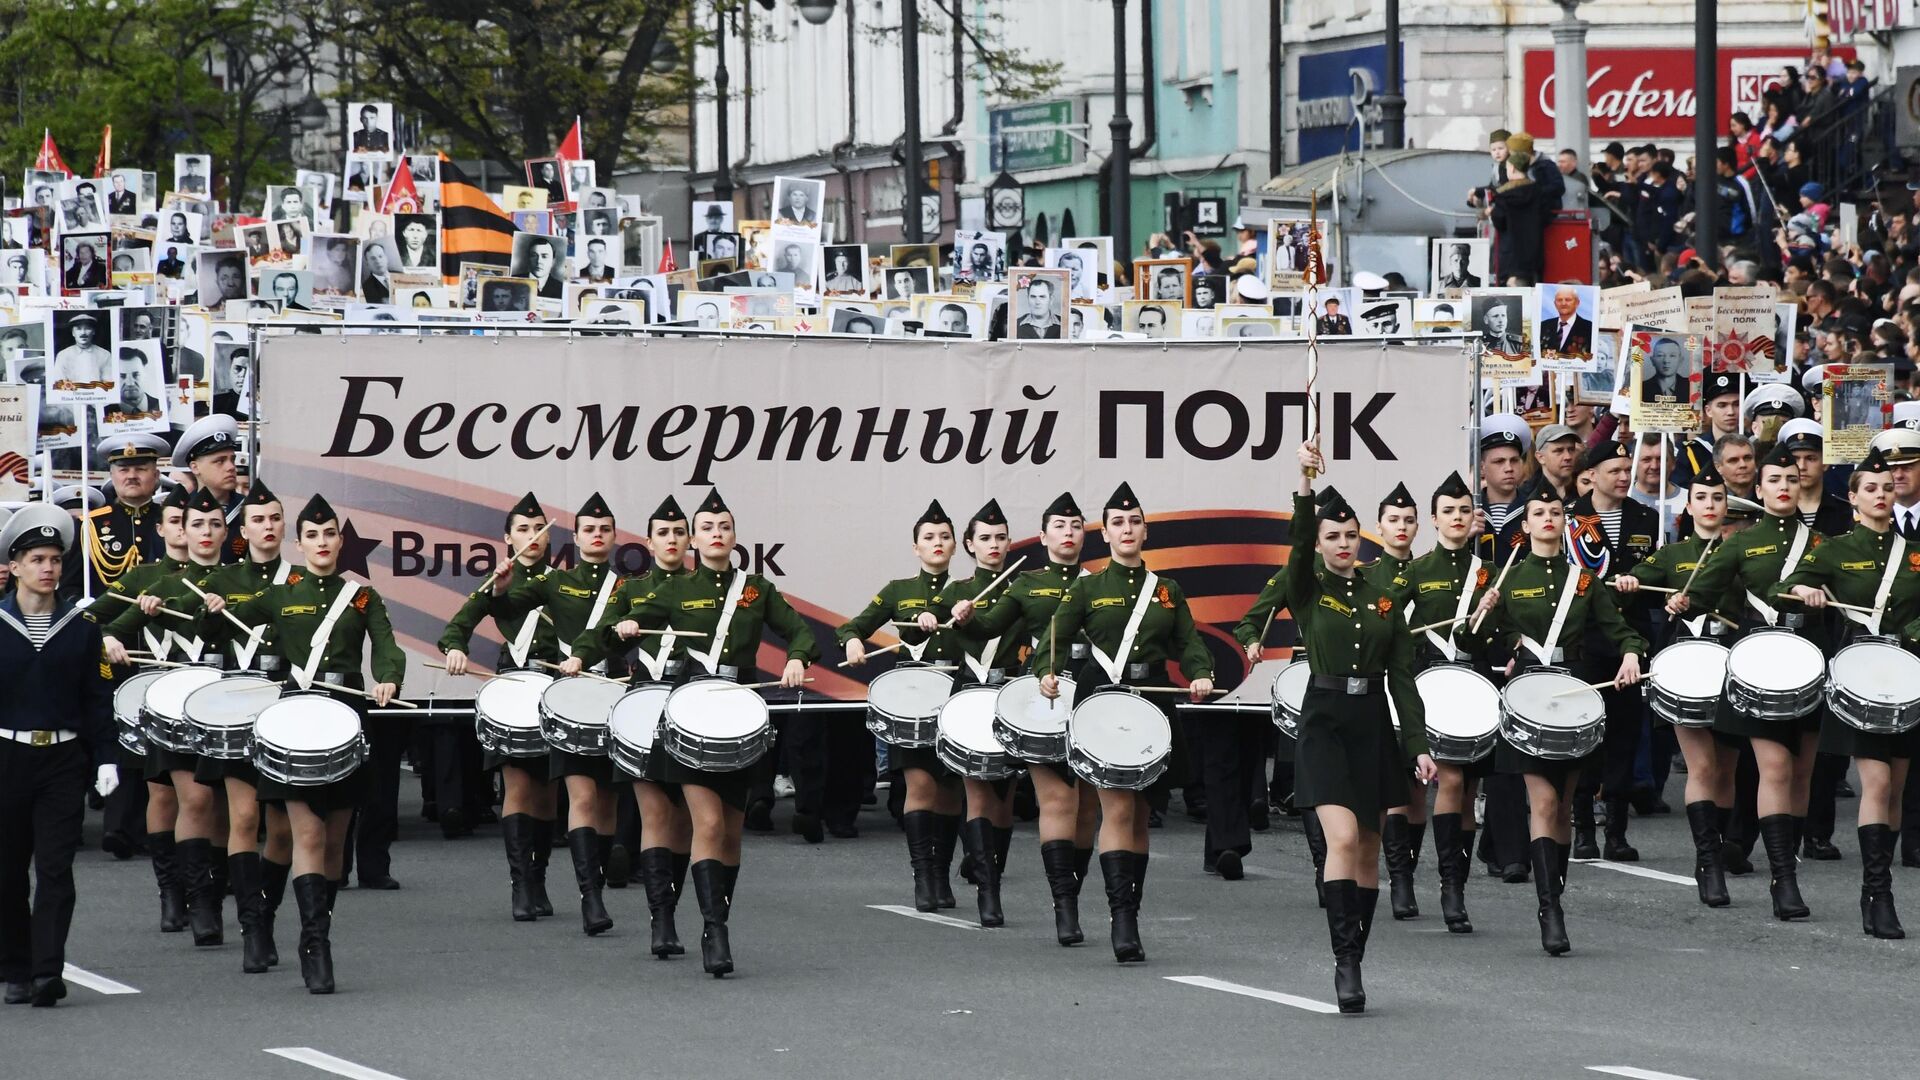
(1095, 254)
(1151, 318)
(711, 217)
(906, 282)
(179, 227)
(1386, 316)
(43, 186)
(1209, 290)
(419, 238)
(123, 192)
(954, 318)
(913, 256)
(363, 173)
(83, 260)
(293, 289)
(843, 270)
(797, 201)
(579, 179)
(796, 258)
(717, 245)
(370, 129)
(83, 369)
(541, 259)
(1665, 371)
(24, 266)
(499, 294)
(288, 203)
(860, 319)
(595, 262)
(379, 260)
(979, 256)
(1038, 300)
(333, 259)
(193, 174)
(141, 402)
(82, 206)
(1081, 279)
(545, 174)
(1500, 319)
(424, 168)
(223, 277)
(1460, 264)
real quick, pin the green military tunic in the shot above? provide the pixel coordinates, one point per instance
(135, 582)
(479, 606)
(1024, 606)
(598, 642)
(1101, 605)
(238, 583)
(1273, 597)
(1352, 628)
(903, 599)
(568, 596)
(167, 580)
(1388, 573)
(1751, 565)
(1672, 566)
(1852, 568)
(972, 639)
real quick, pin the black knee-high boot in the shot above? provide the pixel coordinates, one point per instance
(166, 874)
(1117, 867)
(1708, 874)
(539, 853)
(713, 887)
(1776, 832)
(946, 833)
(273, 875)
(656, 875)
(977, 836)
(584, 845)
(311, 892)
(1617, 849)
(1547, 885)
(1451, 853)
(516, 833)
(603, 850)
(1395, 840)
(1877, 914)
(203, 898)
(1317, 847)
(1344, 920)
(250, 901)
(1583, 844)
(919, 827)
(1002, 841)
(1057, 859)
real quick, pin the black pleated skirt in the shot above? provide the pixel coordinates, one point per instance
(1347, 755)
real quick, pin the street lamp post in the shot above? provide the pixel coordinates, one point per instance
(915, 160)
(1570, 128)
(1120, 179)
(1706, 128)
(1393, 102)
(723, 178)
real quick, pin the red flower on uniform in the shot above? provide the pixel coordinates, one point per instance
(1166, 599)
(293, 577)
(748, 595)
(1481, 578)
(360, 601)
(1913, 560)
(1586, 580)
(1383, 605)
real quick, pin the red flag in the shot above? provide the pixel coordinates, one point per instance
(572, 148)
(667, 265)
(49, 158)
(103, 164)
(402, 196)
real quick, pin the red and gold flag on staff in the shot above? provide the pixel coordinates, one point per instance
(473, 229)
(402, 196)
(573, 147)
(667, 265)
(48, 159)
(1315, 272)
(103, 164)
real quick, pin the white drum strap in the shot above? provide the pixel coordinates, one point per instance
(522, 642)
(318, 646)
(1445, 645)
(593, 617)
(711, 658)
(1872, 622)
(656, 663)
(1567, 593)
(1794, 551)
(159, 646)
(978, 665)
(1116, 664)
(243, 651)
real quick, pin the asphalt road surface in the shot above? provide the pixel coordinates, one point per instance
(837, 977)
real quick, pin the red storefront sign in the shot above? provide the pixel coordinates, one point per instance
(1649, 93)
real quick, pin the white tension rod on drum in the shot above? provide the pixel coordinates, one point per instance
(125, 599)
(1514, 557)
(583, 674)
(250, 631)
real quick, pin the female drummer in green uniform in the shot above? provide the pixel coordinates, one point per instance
(1874, 570)
(526, 814)
(933, 803)
(1405, 831)
(666, 832)
(575, 599)
(1136, 622)
(732, 610)
(307, 606)
(1710, 762)
(1069, 811)
(1348, 765)
(1751, 565)
(1542, 613)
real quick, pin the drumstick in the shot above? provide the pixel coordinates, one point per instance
(1698, 563)
(998, 580)
(756, 685)
(868, 656)
(642, 631)
(396, 703)
(1832, 603)
(1584, 689)
(250, 631)
(516, 558)
(1474, 626)
(915, 623)
(125, 599)
(146, 661)
(469, 671)
(1438, 625)
(583, 672)
(1170, 690)
(1050, 647)
(1660, 589)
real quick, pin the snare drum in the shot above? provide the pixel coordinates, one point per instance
(714, 726)
(1029, 725)
(1463, 713)
(1538, 721)
(308, 740)
(1774, 674)
(1875, 687)
(1118, 739)
(1290, 697)
(634, 726)
(163, 714)
(573, 714)
(1685, 681)
(127, 700)
(222, 715)
(903, 704)
(506, 714)
(966, 742)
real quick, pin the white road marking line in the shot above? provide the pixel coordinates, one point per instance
(926, 916)
(1636, 871)
(1274, 996)
(99, 984)
(1635, 1074)
(306, 1055)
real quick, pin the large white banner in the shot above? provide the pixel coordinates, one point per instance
(828, 450)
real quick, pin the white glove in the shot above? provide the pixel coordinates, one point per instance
(106, 780)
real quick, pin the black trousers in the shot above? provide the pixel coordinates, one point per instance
(1626, 720)
(825, 749)
(1910, 816)
(449, 760)
(126, 810)
(43, 799)
(1230, 749)
(1828, 771)
(1505, 828)
(377, 824)
(1745, 829)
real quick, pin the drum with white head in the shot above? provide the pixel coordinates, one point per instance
(1030, 725)
(573, 714)
(1290, 697)
(966, 742)
(1875, 687)
(307, 740)
(222, 714)
(633, 729)
(1118, 739)
(903, 704)
(716, 725)
(164, 712)
(1550, 714)
(1775, 674)
(506, 714)
(128, 697)
(1685, 681)
(1463, 713)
